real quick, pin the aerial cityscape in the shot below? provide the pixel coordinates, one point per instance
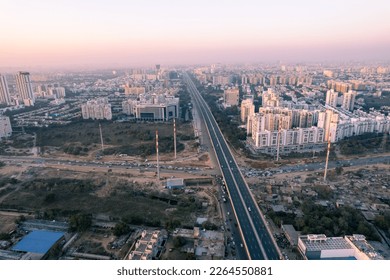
(165, 130)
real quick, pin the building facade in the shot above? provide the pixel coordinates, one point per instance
(97, 109)
(349, 100)
(331, 98)
(154, 107)
(231, 97)
(247, 109)
(321, 247)
(4, 91)
(23, 84)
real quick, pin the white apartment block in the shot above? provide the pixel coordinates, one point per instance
(24, 87)
(288, 137)
(284, 128)
(270, 99)
(97, 109)
(328, 120)
(4, 91)
(57, 92)
(247, 109)
(342, 124)
(299, 128)
(349, 100)
(331, 98)
(5, 127)
(147, 246)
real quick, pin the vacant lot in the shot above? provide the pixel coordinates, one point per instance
(136, 203)
(126, 138)
(7, 223)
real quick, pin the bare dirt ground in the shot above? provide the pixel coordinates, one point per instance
(7, 222)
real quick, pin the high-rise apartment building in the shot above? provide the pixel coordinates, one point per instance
(349, 100)
(331, 98)
(57, 92)
(98, 109)
(24, 87)
(247, 109)
(328, 120)
(339, 86)
(4, 92)
(231, 97)
(270, 99)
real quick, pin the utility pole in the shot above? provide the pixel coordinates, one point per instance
(329, 137)
(327, 158)
(278, 139)
(101, 137)
(158, 164)
(174, 136)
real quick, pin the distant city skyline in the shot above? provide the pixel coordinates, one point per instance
(106, 33)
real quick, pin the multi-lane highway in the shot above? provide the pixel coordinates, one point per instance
(257, 238)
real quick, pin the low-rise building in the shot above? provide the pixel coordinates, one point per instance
(321, 247)
(156, 107)
(37, 244)
(175, 183)
(148, 246)
(207, 244)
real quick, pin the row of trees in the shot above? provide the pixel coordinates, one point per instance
(317, 219)
(362, 143)
(383, 222)
(226, 122)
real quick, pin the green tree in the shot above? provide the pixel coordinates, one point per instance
(209, 225)
(339, 170)
(383, 221)
(4, 236)
(50, 198)
(179, 241)
(80, 222)
(120, 229)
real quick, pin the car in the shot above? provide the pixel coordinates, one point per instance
(249, 209)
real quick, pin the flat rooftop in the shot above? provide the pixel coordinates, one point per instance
(324, 243)
(39, 241)
(10, 255)
(36, 224)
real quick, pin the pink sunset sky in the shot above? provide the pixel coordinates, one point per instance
(124, 33)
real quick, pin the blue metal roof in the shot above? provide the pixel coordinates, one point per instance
(39, 241)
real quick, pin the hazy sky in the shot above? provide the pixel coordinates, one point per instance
(125, 32)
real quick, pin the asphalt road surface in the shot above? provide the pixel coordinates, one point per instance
(257, 238)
